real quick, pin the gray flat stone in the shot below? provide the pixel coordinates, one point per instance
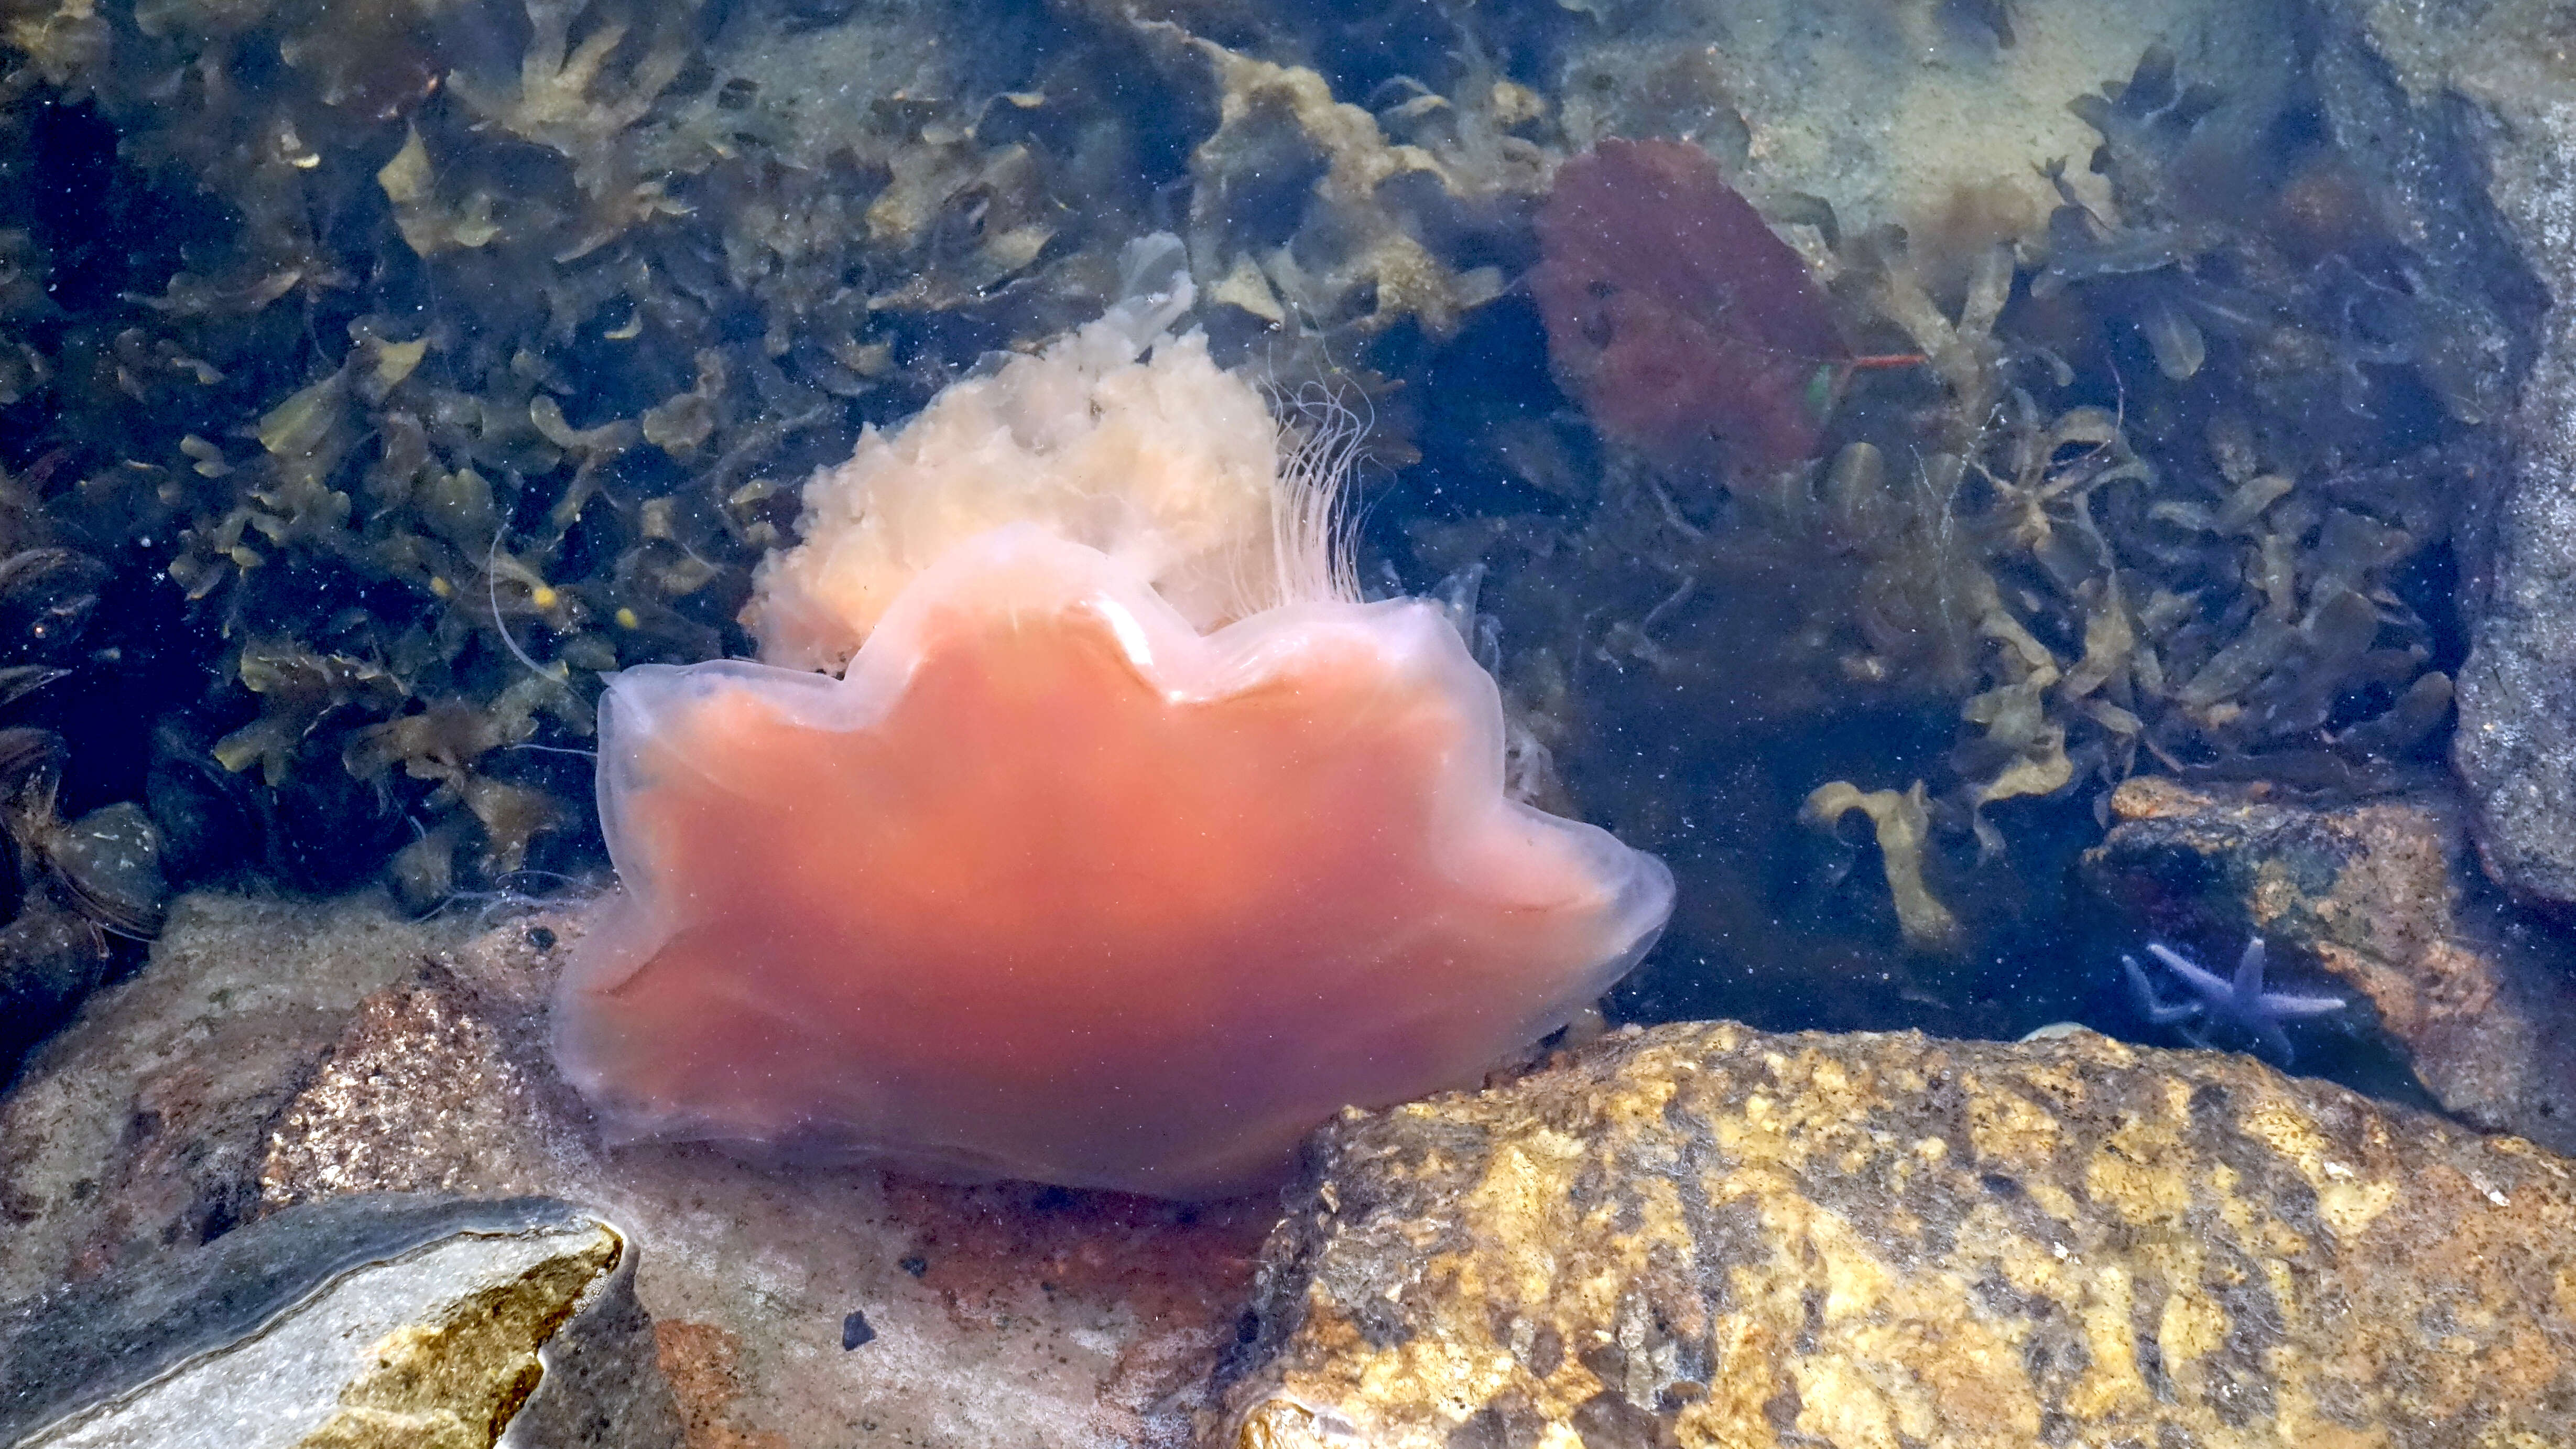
(371, 1319)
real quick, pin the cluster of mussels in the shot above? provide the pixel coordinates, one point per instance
(73, 891)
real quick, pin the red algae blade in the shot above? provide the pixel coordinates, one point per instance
(1052, 886)
(1674, 314)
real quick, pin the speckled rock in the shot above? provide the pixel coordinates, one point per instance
(418, 1094)
(374, 1320)
(789, 1308)
(1705, 1235)
(141, 1126)
(2382, 897)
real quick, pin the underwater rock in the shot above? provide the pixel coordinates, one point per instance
(2381, 896)
(2491, 78)
(418, 1094)
(380, 1054)
(372, 1320)
(142, 1124)
(1702, 1234)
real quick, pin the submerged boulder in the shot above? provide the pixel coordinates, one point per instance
(1704, 1234)
(2380, 900)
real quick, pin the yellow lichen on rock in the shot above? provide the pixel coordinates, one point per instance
(1888, 1240)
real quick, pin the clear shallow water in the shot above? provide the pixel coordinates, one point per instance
(1859, 437)
(385, 378)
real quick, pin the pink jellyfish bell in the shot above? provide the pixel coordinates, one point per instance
(1128, 845)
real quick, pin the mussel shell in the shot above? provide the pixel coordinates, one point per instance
(31, 771)
(50, 958)
(108, 863)
(46, 598)
(19, 680)
(208, 815)
(13, 879)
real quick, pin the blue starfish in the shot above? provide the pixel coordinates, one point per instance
(2241, 1007)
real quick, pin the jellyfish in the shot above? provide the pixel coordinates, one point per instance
(1079, 823)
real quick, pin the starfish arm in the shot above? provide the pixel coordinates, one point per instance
(2276, 1042)
(2208, 985)
(2248, 986)
(2157, 1012)
(2278, 1004)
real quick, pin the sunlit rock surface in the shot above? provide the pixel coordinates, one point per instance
(1706, 1235)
